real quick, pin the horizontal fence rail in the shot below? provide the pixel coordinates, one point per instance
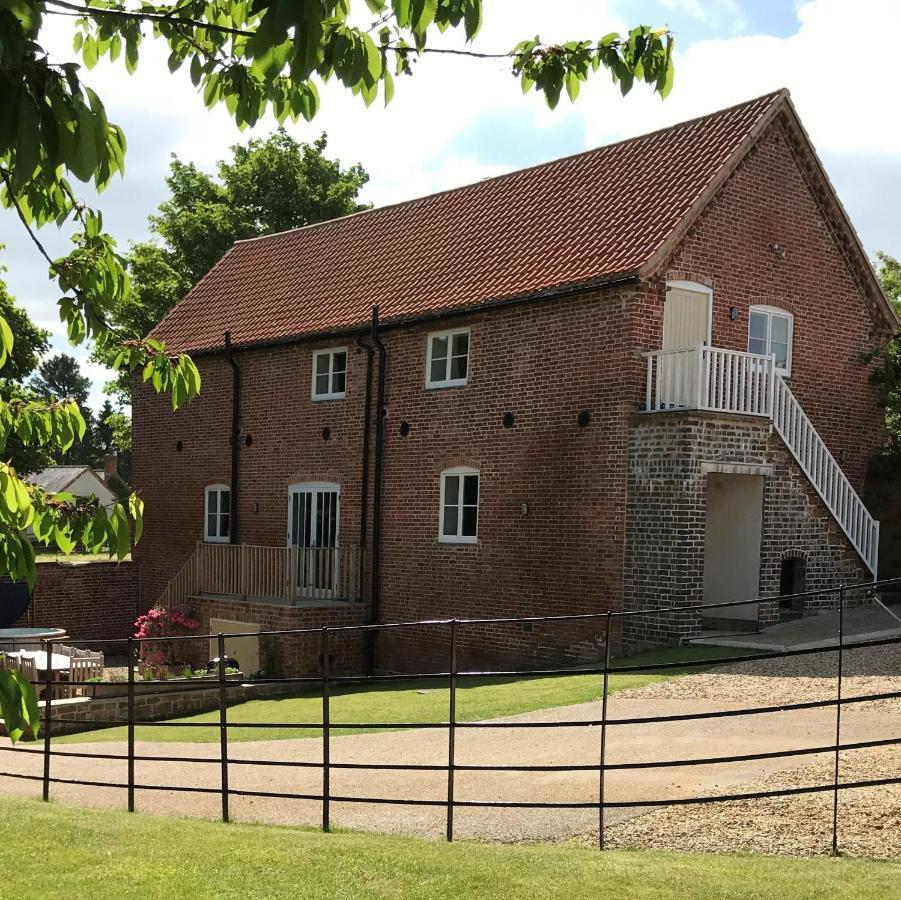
(731, 381)
(324, 680)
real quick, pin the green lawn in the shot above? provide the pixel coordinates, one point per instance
(51, 851)
(75, 559)
(423, 700)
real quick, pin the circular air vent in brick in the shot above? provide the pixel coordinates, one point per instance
(508, 420)
(583, 418)
(179, 446)
(404, 429)
(326, 434)
(248, 440)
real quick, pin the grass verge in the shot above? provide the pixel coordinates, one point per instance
(423, 700)
(65, 852)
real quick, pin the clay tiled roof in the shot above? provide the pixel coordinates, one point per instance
(573, 221)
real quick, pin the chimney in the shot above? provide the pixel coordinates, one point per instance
(110, 466)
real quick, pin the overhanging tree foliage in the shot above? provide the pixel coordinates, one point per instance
(254, 57)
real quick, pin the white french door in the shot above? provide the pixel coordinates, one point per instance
(313, 524)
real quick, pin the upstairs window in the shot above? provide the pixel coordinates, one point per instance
(770, 333)
(217, 519)
(447, 359)
(329, 374)
(459, 522)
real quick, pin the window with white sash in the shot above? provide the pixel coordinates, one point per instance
(217, 514)
(329, 374)
(459, 516)
(447, 358)
(770, 334)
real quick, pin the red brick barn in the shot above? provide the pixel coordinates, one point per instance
(627, 378)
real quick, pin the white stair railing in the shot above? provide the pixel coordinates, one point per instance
(825, 474)
(730, 381)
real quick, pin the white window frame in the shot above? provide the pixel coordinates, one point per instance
(769, 312)
(217, 489)
(330, 353)
(447, 381)
(459, 538)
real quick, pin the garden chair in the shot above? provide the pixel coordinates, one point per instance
(83, 669)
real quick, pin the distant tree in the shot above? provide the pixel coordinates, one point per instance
(887, 373)
(889, 271)
(268, 185)
(59, 377)
(31, 341)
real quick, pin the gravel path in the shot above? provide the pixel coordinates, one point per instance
(869, 819)
(793, 679)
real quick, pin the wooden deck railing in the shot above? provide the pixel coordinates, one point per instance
(292, 574)
(730, 381)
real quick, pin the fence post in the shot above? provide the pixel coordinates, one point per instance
(838, 716)
(48, 702)
(131, 725)
(451, 728)
(223, 727)
(602, 767)
(325, 731)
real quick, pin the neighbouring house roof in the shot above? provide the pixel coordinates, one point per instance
(54, 479)
(614, 212)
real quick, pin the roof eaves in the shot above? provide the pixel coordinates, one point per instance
(399, 322)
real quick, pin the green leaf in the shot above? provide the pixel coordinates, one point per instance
(28, 142)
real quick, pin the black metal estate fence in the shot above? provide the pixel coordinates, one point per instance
(325, 682)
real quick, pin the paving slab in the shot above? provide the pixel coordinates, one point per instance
(867, 624)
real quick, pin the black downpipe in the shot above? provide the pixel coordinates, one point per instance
(375, 593)
(236, 419)
(367, 421)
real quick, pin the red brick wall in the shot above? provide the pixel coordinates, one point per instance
(542, 362)
(89, 600)
(765, 202)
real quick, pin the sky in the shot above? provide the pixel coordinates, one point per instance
(456, 120)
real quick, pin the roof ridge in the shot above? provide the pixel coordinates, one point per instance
(780, 92)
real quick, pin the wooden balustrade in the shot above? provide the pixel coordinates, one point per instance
(292, 574)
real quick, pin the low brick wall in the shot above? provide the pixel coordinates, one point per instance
(90, 600)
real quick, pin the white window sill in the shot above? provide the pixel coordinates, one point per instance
(317, 397)
(456, 382)
(215, 540)
(444, 539)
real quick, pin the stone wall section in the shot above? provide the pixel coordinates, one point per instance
(669, 456)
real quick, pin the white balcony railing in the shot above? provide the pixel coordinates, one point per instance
(730, 381)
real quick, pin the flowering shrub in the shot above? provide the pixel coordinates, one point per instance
(160, 622)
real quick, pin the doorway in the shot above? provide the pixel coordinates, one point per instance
(313, 524)
(686, 315)
(732, 545)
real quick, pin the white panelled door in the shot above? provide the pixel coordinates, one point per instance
(686, 317)
(686, 325)
(313, 523)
